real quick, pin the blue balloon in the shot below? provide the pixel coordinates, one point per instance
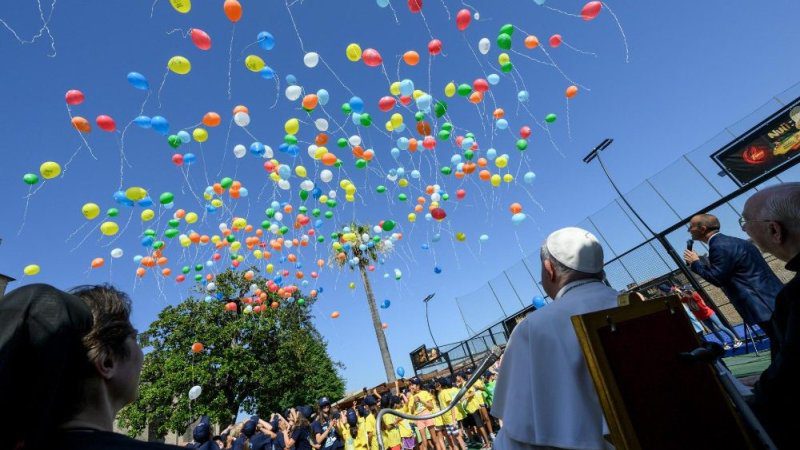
(137, 259)
(502, 124)
(356, 117)
(523, 96)
(517, 218)
(400, 371)
(403, 143)
(425, 246)
(436, 237)
(538, 302)
(437, 269)
(257, 149)
(121, 199)
(529, 177)
(356, 104)
(138, 81)
(467, 143)
(184, 136)
(189, 158)
(424, 103)
(283, 147)
(493, 79)
(400, 129)
(395, 152)
(293, 150)
(147, 241)
(323, 97)
(142, 121)
(406, 87)
(491, 154)
(211, 209)
(291, 80)
(284, 171)
(384, 4)
(267, 73)
(401, 172)
(318, 223)
(316, 193)
(243, 192)
(266, 40)
(145, 202)
(160, 124)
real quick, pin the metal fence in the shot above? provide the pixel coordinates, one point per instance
(666, 201)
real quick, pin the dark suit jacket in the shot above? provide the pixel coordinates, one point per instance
(737, 267)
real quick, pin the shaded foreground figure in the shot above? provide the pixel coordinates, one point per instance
(772, 219)
(545, 394)
(70, 362)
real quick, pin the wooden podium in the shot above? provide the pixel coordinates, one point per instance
(651, 398)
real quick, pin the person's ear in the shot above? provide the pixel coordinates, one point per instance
(549, 269)
(106, 366)
(775, 231)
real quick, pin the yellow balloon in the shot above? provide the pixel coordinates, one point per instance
(352, 285)
(215, 239)
(254, 63)
(353, 52)
(350, 197)
(207, 196)
(402, 182)
(258, 254)
(270, 268)
(344, 183)
(350, 237)
(200, 134)
(90, 210)
(240, 258)
(320, 152)
(148, 215)
(109, 228)
(292, 126)
(50, 170)
(185, 241)
(508, 178)
(396, 120)
(239, 223)
(336, 246)
(182, 6)
(31, 269)
(496, 180)
(135, 193)
(191, 217)
(350, 189)
(417, 94)
(450, 89)
(216, 203)
(274, 177)
(394, 88)
(389, 126)
(412, 217)
(323, 198)
(300, 171)
(501, 162)
(503, 58)
(236, 245)
(179, 65)
(461, 237)
(434, 205)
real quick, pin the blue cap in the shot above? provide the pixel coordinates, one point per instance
(249, 428)
(370, 400)
(352, 419)
(202, 432)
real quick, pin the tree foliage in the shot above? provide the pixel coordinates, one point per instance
(257, 362)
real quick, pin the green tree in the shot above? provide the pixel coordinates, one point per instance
(359, 250)
(256, 359)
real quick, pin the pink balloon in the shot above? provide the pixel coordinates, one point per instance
(201, 39)
(463, 19)
(74, 97)
(591, 10)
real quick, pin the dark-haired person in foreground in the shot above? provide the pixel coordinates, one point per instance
(70, 362)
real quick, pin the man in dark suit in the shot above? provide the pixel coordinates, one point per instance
(737, 267)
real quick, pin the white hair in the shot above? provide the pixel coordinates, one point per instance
(559, 266)
(782, 204)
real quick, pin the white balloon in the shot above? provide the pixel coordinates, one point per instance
(377, 229)
(116, 253)
(278, 216)
(288, 243)
(312, 150)
(211, 287)
(284, 184)
(311, 59)
(242, 119)
(268, 153)
(321, 124)
(239, 151)
(293, 92)
(223, 226)
(435, 197)
(195, 392)
(332, 194)
(307, 185)
(355, 140)
(477, 15)
(484, 45)
(326, 175)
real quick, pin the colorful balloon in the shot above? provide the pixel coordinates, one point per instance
(254, 63)
(463, 19)
(555, 40)
(31, 270)
(591, 10)
(50, 170)
(138, 81)
(353, 52)
(571, 91)
(106, 123)
(311, 59)
(74, 97)
(415, 6)
(109, 228)
(371, 57)
(182, 6)
(179, 64)
(200, 38)
(233, 10)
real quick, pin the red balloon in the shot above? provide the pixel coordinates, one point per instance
(555, 40)
(74, 97)
(235, 263)
(460, 194)
(438, 214)
(429, 142)
(106, 123)
(386, 103)
(269, 166)
(177, 159)
(405, 100)
(435, 47)
(197, 347)
(180, 278)
(371, 57)
(525, 132)
(463, 19)
(591, 10)
(480, 85)
(415, 6)
(230, 306)
(201, 39)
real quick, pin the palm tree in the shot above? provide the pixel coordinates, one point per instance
(353, 251)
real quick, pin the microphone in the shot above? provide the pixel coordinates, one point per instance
(689, 244)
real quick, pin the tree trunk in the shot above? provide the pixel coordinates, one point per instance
(376, 323)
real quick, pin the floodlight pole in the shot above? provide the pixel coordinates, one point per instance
(426, 300)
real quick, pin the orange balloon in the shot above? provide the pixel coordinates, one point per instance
(424, 128)
(358, 152)
(240, 108)
(335, 315)
(368, 155)
(140, 272)
(476, 97)
(320, 262)
(421, 200)
(310, 101)
(211, 119)
(249, 275)
(233, 10)
(274, 305)
(161, 261)
(148, 261)
(321, 139)
(236, 185)
(197, 347)
(97, 262)
(411, 58)
(499, 113)
(572, 91)
(515, 208)
(384, 325)
(81, 124)
(418, 208)
(287, 209)
(329, 159)
(412, 145)
(179, 214)
(459, 175)
(531, 41)
(218, 189)
(469, 167)
(484, 175)
(166, 271)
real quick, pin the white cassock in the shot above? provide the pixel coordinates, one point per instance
(545, 395)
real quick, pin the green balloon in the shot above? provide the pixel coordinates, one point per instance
(468, 155)
(419, 116)
(346, 108)
(365, 119)
(173, 223)
(361, 163)
(112, 212)
(334, 236)
(402, 197)
(445, 196)
(550, 118)
(507, 29)
(464, 89)
(341, 142)
(440, 108)
(316, 212)
(388, 225)
(329, 214)
(302, 209)
(331, 203)
(171, 232)
(522, 144)
(470, 135)
(304, 195)
(381, 189)
(185, 269)
(233, 256)
(265, 224)
(283, 230)
(376, 239)
(166, 197)
(198, 278)
(446, 170)
(198, 267)
(230, 238)
(504, 41)
(226, 182)
(290, 139)
(444, 135)
(447, 126)
(301, 302)
(338, 163)
(174, 141)
(270, 212)
(150, 232)
(30, 178)
(158, 244)
(320, 239)
(507, 67)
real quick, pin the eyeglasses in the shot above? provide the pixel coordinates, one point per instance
(743, 223)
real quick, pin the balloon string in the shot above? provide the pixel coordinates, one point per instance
(184, 34)
(396, 21)
(546, 129)
(205, 167)
(153, 8)
(230, 59)
(76, 232)
(447, 10)
(569, 130)
(583, 52)
(75, 153)
(163, 81)
(532, 58)
(121, 232)
(294, 24)
(45, 28)
(225, 152)
(69, 112)
(85, 237)
(561, 12)
(335, 75)
(425, 21)
(621, 31)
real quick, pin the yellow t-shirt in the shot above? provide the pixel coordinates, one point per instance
(369, 426)
(404, 427)
(444, 399)
(361, 441)
(420, 407)
(391, 431)
(474, 402)
(480, 389)
(344, 431)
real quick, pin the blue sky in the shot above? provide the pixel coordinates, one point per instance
(692, 70)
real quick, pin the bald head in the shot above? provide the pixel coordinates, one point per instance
(703, 226)
(772, 219)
